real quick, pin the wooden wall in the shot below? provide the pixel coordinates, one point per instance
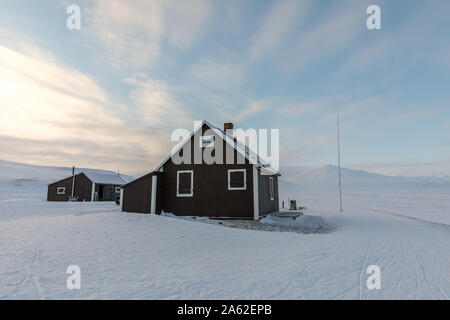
(137, 195)
(266, 205)
(52, 190)
(211, 196)
(83, 187)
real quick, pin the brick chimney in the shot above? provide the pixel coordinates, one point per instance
(228, 127)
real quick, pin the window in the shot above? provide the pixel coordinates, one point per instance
(272, 194)
(237, 179)
(61, 190)
(185, 183)
(207, 141)
(117, 189)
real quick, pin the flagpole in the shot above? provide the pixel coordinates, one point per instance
(339, 165)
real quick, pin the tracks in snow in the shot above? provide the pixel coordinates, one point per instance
(31, 276)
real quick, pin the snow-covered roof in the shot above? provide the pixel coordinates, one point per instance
(243, 149)
(104, 178)
(99, 178)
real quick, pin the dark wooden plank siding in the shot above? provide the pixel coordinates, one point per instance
(159, 193)
(137, 195)
(211, 196)
(52, 190)
(83, 187)
(266, 205)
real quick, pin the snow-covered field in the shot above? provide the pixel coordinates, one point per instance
(135, 256)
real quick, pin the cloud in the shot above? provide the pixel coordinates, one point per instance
(214, 73)
(328, 37)
(253, 108)
(280, 21)
(157, 107)
(35, 91)
(294, 109)
(356, 107)
(446, 124)
(409, 42)
(51, 112)
(134, 31)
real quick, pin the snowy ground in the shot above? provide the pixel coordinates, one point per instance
(135, 256)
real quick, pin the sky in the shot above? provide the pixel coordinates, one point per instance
(108, 95)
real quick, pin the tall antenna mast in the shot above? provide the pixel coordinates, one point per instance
(339, 165)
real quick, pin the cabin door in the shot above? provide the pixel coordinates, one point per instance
(100, 192)
(108, 193)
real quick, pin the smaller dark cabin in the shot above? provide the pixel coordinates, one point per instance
(86, 186)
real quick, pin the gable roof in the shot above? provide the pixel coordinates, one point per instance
(104, 178)
(240, 147)
(98, 178)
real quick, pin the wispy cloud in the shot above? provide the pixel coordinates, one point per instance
(332, 33)
(133, 32)
(137, 69)
(408, 42)
(277, 26)
(65, 112)
(225, 73)
(294, 109)
(157, 107)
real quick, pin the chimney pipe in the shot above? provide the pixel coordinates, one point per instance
(73, 170)
(228, 127)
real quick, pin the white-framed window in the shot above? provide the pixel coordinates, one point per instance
(117, 189)
(61, 190)
(272, 194)
(237, 179)
(207, 141)
(185, 183)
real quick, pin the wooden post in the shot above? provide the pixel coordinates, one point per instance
(293, 205)
(339, 165)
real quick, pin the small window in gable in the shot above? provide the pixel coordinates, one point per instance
(61, 190)
(185, 183)
(272, 194)
(207, 141)
(237, 179)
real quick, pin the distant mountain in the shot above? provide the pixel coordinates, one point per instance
(24, 178)
(14, 171)
(326, 177)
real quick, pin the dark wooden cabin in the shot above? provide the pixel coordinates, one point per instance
(86, 186)
(245, 189)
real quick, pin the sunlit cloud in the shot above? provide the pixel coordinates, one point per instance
(133, 32)
(52, 113)
(109, 95)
